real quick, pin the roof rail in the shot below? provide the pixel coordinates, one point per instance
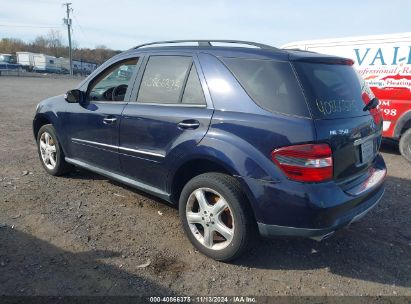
(209, 43)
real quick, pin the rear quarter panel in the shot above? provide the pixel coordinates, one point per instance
(246, 141)
(241, 133)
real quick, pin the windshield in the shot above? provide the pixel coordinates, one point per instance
(332, 90)
(8, 58)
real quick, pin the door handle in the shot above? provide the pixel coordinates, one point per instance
(109, 120)
(189, 124)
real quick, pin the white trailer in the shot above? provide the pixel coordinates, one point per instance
(63, 64)
(26, 59)
(45, 63)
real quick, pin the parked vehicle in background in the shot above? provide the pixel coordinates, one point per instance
(80, 67)
(45, 64)
(26, 59)
(8, 58)
(8, 62)
(384, 61)
(50, 64)
(63, 65)
(83, 67)
(227, 134)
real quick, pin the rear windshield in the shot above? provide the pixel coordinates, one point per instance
(332, 90)
(271, 84)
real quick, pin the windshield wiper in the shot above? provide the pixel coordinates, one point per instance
(372, 104)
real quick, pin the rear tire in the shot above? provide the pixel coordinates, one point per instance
(221, 226)
(405, 145)
(50, 152)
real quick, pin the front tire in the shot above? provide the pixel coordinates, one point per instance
(405, 145)
(50, 152)
(216, 216)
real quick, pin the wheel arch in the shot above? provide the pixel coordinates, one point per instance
(403, 124)
(191, 168)
(200, 165)
(232, 156)
(42, 119)
(39, 121)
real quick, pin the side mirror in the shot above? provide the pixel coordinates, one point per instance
(75, 96)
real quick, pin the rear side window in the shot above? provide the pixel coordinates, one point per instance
(333, 90)
(193, 92)
(271, 84)
(170, 80)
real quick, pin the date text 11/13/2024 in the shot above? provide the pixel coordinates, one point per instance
(202, 299)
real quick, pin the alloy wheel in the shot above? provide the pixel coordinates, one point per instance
(210, 218)
(48, 150)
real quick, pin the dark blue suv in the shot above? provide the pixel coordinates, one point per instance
(245, 138)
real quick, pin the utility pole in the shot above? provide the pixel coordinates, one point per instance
(68, 22)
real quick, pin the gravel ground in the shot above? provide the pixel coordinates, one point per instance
(85, 235)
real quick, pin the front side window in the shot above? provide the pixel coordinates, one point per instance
(170, 80)
(112, 83)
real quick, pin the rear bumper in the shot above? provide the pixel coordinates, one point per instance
(288, 208)
(321, 233)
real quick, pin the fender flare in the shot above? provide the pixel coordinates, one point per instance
(52, 118)
(209, 155)
(234, 158)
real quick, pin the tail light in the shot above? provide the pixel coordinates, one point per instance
(305, 163)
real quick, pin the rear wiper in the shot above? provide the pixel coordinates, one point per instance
(372, 104)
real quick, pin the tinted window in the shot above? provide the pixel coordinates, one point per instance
(271, 84)
(333, 90)
(193, 92)
(163, 79)
(112, 83)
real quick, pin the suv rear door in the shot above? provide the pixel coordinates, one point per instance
(337, 96)
(167, 116)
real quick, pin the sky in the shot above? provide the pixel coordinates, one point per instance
(122, 24)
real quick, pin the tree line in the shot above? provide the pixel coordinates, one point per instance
(52, 44)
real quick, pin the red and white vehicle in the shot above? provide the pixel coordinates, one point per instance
(384, 61)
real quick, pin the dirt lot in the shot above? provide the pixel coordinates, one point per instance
(85, 235)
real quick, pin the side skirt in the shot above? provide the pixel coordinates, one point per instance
(122, 179)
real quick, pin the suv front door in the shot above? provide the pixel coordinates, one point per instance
(94, 124)
(168, 115)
